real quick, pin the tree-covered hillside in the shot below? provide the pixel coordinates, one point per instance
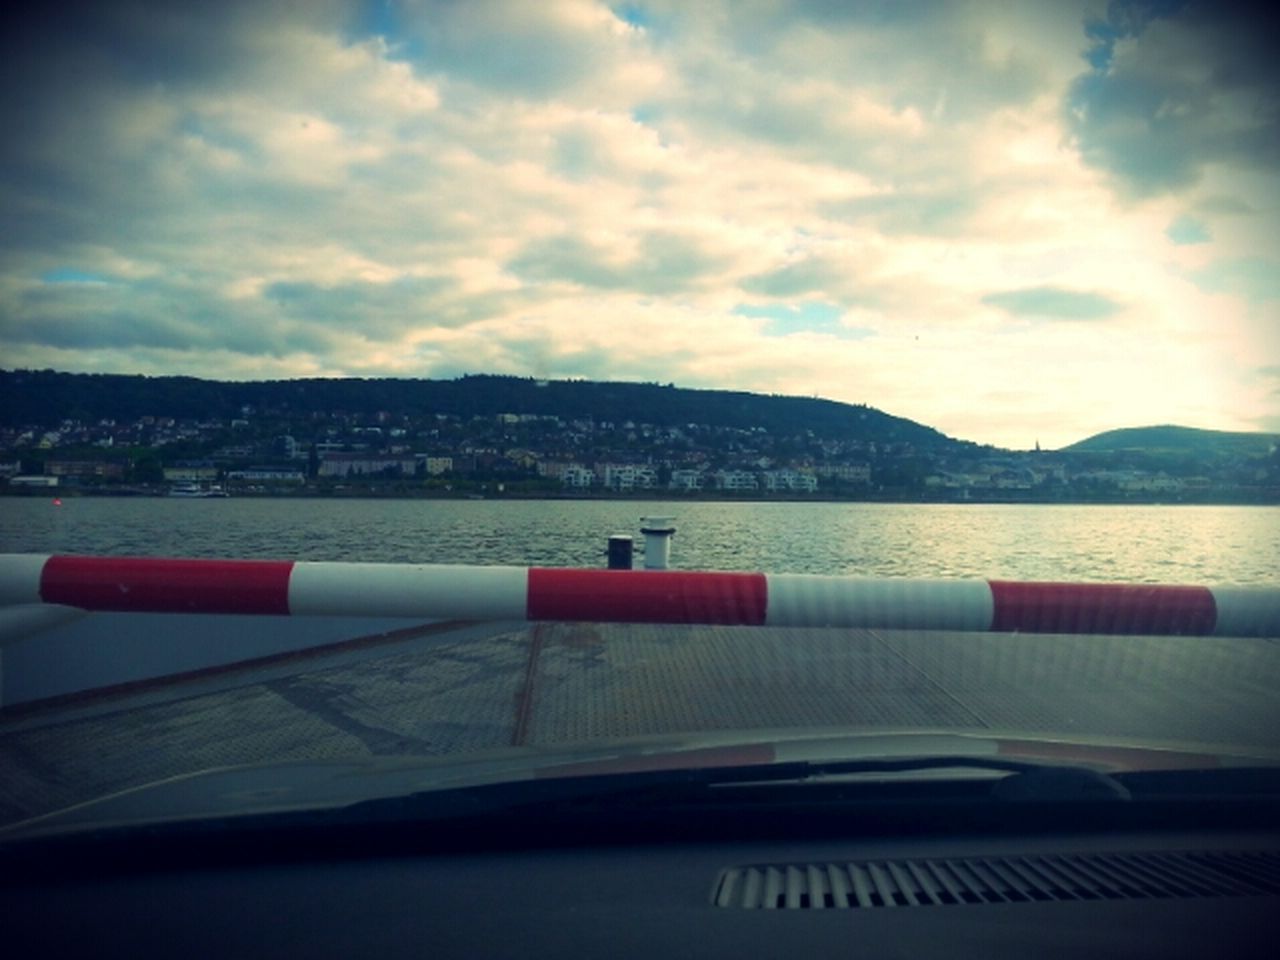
(1180, 441)
(48, 397)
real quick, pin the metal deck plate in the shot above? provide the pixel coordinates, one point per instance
(479, 687)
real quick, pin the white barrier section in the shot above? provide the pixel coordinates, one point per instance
(20, 578)
(1246, 611)
(408, 590)
(801, 600)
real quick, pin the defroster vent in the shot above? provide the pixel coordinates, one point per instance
(872, 884)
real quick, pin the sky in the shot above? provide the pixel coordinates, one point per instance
(1014, 222)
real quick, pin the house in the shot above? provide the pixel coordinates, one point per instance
(736, 480)
(435, 466)
(267, 475)
(793, 480)
(628, 476)
(1148, 483)
(106, 469)
(191, 471)
(33, 481)
(686, 480)
(366, 465)
(577, 476)
(844, 472)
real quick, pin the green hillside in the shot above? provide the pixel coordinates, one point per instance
(1169, 439)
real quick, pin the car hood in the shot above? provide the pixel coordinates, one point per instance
(326, 785)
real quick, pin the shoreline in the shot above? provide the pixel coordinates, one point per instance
(1258, 500)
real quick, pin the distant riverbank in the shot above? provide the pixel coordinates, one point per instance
(996, 497)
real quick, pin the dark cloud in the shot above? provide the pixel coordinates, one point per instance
(377, 310)
(92, 102)
(1054, 303)
(161, 314)
(811, 275)
(520, 49)
(1218, 205)
(1176, 87)
(818, 277)
(875, 12)
(664, 263)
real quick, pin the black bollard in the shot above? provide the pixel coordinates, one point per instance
(619, 553)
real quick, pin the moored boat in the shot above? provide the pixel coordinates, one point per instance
(196, 491)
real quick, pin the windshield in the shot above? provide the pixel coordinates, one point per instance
(391, 316)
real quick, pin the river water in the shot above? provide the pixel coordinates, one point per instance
(1151, 544)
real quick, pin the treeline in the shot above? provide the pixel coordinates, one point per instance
(47, 397)
(1173, 441)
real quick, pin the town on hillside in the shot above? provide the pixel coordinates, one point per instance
(322, 452)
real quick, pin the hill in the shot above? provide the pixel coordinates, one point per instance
(47, 398)
(1180, 441)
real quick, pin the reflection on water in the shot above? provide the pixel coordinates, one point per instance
(1121, 543)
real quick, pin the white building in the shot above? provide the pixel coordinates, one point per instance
(577, 476)
(33, 481)
(629, 476)
(794, 480)
(736, 480)
(686, 480)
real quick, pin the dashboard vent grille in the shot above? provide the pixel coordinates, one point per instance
(978, 880)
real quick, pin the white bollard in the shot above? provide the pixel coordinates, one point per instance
(658, 532)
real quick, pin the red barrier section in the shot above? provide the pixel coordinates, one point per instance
(1102, 608)
(168, 586)
(647, 596)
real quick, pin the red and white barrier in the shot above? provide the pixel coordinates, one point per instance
(540, 593)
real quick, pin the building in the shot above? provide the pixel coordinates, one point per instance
(790, 480)
(522, 458)
(103, 469)
(686, 480)
(844, 472)
(736, 480)
(33, 481)
(366, 465)
(554, 469)
(435, 466)
(1147, 483)
(577, 476)
(191, 471)
(628, 476)
(268, 475)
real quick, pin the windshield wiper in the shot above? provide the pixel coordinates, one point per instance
(1025, 781)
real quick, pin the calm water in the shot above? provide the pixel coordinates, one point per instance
(1117, 543)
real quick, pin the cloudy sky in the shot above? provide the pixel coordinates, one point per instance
(1010, 221)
